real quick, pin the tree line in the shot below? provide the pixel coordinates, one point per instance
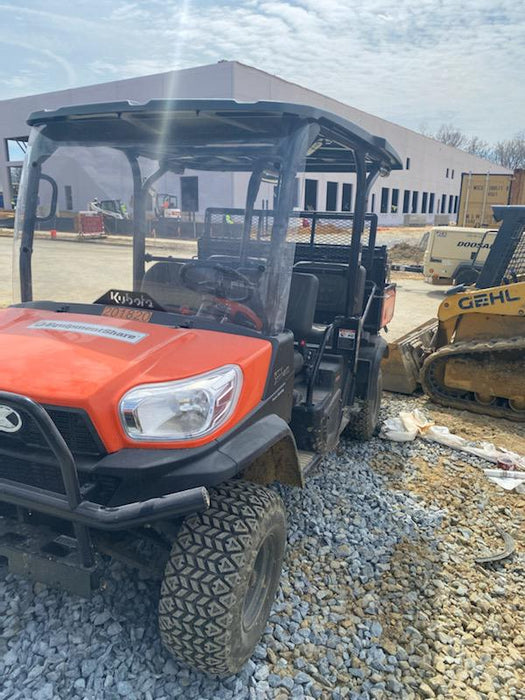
(509, 153)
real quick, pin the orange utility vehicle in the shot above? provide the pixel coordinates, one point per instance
(159, 399)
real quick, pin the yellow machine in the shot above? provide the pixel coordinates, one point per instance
(473, 356)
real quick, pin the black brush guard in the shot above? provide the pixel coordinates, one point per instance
(84, 514)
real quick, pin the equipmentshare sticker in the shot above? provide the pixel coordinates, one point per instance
(121, 334)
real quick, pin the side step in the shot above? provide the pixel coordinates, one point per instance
(307, 461)
(40, 554)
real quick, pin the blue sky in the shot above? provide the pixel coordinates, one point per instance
(419, 63)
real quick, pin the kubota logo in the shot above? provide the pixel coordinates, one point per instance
(10, 420)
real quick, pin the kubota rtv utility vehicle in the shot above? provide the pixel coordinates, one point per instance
(156, 392)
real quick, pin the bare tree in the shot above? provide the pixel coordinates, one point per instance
(510, 153)
(451, 136)
(478, 147)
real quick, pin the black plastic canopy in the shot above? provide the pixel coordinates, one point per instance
(216, 134)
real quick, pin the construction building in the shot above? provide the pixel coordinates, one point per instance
(426, 191)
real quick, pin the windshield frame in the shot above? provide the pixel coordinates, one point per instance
(286, 162)
(300, 136)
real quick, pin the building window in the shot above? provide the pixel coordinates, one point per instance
(346, 203)
(456, 202)
(452, 175)
(447, 173)
(395, 201)
(385, 192)
(331, 196)
(406, 201)
(310, 195)
(189, 193)
(443, 203)
(424, 202)
(373, 207)
(16, 148)
(450, 203)
(407, 166)
(69, 197)
(431, 203)
(14, 173)
(415, 197)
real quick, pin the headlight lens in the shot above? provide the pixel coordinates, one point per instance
(184, 409)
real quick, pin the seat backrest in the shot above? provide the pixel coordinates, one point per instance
(162, 282)
(301, 304)
(331, 301)
(333, 288)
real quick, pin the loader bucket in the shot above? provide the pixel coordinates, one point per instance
(405, 356)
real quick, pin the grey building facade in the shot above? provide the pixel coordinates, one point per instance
(428, 186)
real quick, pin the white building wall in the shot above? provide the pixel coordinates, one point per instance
(429, 159)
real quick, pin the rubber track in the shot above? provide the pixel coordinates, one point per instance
(457, 398)
(203, 571)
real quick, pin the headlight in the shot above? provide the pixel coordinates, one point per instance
(184, 409)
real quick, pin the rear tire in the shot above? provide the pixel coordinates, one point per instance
(363, 425)
(222, 577)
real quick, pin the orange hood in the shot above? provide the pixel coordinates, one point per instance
(89, 362)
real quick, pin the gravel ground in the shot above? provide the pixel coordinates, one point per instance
(380, 597)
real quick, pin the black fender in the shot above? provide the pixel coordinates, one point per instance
(368, 365)
(266, 452)
(148, 473)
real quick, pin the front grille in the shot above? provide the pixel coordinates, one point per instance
(44, 475)
(48, 476)
(73, 424)
(26, 458)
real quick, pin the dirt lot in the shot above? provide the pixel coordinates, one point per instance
(469, 616)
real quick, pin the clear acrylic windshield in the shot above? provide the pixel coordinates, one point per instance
(112, 227)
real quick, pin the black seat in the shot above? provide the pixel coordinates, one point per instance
(301, 309)
(162, 282)
(301, 304)
(333, 288)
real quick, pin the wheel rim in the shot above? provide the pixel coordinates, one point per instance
(260, 582)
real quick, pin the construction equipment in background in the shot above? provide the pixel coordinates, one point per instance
(115, 214)
(167, 206)
(454, 254)
(473, 356)
(110, 208)
(480, 192)
(167, 216)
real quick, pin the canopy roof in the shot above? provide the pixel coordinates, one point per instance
(215, 134)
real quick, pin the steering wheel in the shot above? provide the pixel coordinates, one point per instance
(226, 283)
(226, 310)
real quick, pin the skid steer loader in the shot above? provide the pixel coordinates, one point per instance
(473, 356)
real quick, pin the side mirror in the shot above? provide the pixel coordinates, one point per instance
(47, 198)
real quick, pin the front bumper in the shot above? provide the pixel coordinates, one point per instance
(72, 506)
